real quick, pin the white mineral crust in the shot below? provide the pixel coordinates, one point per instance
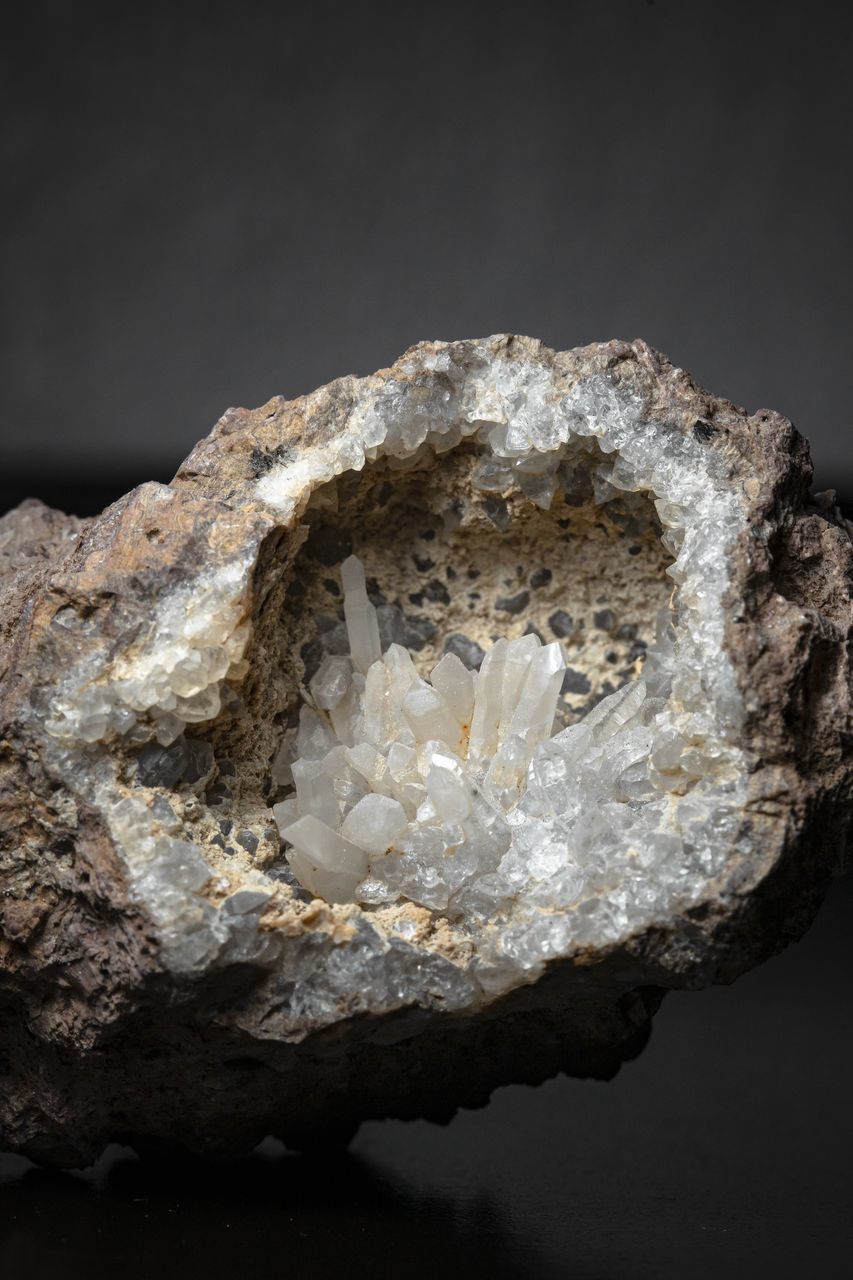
(451, 792)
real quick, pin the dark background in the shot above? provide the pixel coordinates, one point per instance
(208, 205)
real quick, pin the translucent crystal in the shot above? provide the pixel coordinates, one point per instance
(446, 788)
(429, 716)
(314, 791)
(362, 624)
(324, 861)
(455, 683)
(374, 823)
(331, 682)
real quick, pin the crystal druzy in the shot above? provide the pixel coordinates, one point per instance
(415, 739)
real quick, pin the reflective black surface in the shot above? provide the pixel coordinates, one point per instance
(724, 1150)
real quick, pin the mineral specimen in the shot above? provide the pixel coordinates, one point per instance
(415, 739)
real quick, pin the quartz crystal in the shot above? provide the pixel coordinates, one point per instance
(423, 725)
(414, 739)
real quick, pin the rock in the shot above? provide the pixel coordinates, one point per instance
(468, 651)
(561, 623)
(166, 979)
(513, 604)
(575, 682)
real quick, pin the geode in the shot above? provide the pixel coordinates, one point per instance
(414, 740)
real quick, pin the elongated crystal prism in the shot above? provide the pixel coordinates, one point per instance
(362, 623)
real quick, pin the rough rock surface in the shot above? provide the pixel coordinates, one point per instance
(164, 980)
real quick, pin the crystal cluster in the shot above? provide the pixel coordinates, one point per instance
(403, 784)
(452, 793)
(566, 841)
(532, 844)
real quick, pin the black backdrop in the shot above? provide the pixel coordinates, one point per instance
(206, 205)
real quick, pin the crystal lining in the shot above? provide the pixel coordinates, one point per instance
(557, 842)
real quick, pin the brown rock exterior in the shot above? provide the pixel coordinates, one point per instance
(163, 980)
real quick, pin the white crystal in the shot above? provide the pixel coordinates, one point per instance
(446, 788)
(455, 683)
(314, 791)
(429, 716)
(362, 623)
(374, 823)
(488, 702)
(331, 682)
(324, 861)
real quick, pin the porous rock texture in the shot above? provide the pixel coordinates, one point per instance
(166, 981)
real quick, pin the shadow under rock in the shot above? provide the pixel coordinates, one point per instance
(273, 1212)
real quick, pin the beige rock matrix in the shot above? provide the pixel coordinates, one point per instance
(414, 740)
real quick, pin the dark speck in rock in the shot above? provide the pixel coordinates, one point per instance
(496, 510)
(374, 592)
(635, 550)
(331, 586)
(626, 632)
(473, 573)
(610, 655)
(513, 604)
(428, 535)
(217, 840)
(295, 588)
(311, 654)
(574, 682)
(248, 840)
(390, 619)
(561, 623)
(284, 875)
(217, 794)
(451, 573)
(638, 649)
(468, 651)
(226, 826)
(604, 619)
(328, 544)
(158, 766)
(396, 627)
(335, 640)
(540, 578)
(437, 592)
(226, 768)
(423, 564)
(417, 631)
